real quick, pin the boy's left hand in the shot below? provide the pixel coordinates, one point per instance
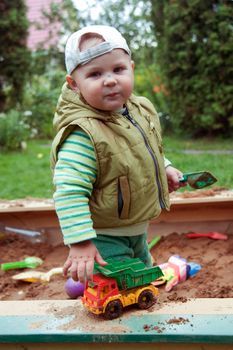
(173, 178)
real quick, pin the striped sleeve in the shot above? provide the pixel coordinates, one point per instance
(74, 176)
(167, 162)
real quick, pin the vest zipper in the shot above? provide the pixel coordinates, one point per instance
(128, 116)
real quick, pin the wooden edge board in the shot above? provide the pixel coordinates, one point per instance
(195, 321)
(216, 306)
(173, 201)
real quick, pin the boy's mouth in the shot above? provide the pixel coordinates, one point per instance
(112, 94)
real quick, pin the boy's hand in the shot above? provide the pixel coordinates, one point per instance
(80, 261)
(173, 178)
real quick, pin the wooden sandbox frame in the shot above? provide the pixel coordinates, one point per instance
(31, 325)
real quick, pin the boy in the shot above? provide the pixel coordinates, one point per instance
(110, 173)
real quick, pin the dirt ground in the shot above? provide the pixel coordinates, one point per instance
(214, 280)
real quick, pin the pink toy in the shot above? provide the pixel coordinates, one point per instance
(74, 289)
(177, 270)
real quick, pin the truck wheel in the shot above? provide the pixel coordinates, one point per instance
(113, 310)
(146, 299)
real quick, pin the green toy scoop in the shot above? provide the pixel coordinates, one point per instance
(29, 262)
(199, 179)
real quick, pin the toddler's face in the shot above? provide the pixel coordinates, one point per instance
(106, 82)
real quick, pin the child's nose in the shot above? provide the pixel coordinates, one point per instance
(109, 80)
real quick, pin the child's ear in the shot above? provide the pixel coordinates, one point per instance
(72, 83)
(132, 65)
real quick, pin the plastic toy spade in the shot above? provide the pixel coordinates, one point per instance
(213, 235)
(153, 242)
(29, 262)
(199, 179)
(38, 276)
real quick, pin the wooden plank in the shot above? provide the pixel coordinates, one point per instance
(193, 214)
(19, 209)
(198, 321)
(198, 211)
(30, 218)
(37, 220)
(199, 306)
(165, 228)
(114, 346)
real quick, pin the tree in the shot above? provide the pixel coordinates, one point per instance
(61, 18)
(14, 55)
(195, 42)
(132, 19)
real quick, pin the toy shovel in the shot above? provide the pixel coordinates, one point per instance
(213, 235)
(38, 276)
(199, 179)
(153, 242)
(29, 262)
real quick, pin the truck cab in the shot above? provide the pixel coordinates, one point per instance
(98, 291)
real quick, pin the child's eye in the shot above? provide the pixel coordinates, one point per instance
(94, 74)
(118, 69)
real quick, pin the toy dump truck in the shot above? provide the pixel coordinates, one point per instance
(120, 284)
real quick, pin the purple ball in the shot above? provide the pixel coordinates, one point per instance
(74, 289)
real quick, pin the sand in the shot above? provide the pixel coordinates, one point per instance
(214, 280)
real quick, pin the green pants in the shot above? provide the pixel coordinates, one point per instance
(123, 247)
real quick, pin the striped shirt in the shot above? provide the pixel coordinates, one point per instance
(74, 177)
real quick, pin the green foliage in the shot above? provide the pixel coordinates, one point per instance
(148, 83)
(53, 57)
(14, 131)
(132, 19)
(40, 101)
(33, 118)
(15, 57)
(48, 72)
(195, 52)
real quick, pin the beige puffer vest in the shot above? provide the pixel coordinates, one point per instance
(131, 185)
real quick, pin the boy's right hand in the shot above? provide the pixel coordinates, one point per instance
(80, 261)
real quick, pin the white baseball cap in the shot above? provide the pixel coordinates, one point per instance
(112, 40)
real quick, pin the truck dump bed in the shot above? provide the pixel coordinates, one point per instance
(130, 273)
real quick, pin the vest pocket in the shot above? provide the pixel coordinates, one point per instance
(123, 197)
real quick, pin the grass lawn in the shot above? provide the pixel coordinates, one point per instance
(27, 173)
(215, 156)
